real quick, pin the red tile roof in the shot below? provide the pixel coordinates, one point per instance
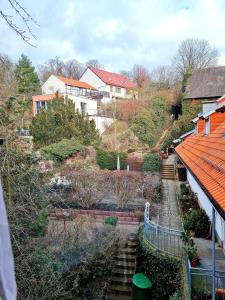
(205, 157)
(76, 83)
(113, 78)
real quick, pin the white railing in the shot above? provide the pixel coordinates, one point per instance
(162, 238)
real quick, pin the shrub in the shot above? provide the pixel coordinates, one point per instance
(154, 264)
(152, 162)
(87, 187)
(197, 221)
(108, 160)
(61, 150)
(111, 220)
(124, 185)
(184, 189)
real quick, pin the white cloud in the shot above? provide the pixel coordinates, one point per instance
(120, 33)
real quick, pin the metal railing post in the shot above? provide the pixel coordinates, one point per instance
(213, 253)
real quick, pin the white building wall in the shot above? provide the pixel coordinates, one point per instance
(91, 104)
(91, 78)
(102, 122)
(205, 204)
(53, 85)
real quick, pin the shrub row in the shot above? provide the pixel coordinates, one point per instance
(108, 160)
(163, 271)
(61, 150)
(152, 162)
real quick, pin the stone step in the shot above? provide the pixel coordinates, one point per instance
(126, 265)
(129, 250)
(124, 280)
(118, 297)
(132, 243)
(125, 257)
(122, 271)
(121, 288)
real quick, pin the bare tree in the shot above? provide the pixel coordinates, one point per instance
(195, 54)
(164, 77)
(56, 66)
(141, 76)
(24, 31)
(7, 78)
(94, 63)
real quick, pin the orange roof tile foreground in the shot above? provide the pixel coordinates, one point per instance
(204, 156)
(76, 83)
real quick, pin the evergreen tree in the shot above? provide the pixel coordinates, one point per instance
(60, 120)
(26, 76)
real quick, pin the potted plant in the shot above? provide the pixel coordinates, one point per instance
(191, 252)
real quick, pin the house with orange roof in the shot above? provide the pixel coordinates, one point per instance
(203, 155)
(118, 86)
(86, 98)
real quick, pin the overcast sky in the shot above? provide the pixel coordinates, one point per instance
(119, 33)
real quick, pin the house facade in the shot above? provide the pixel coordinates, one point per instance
(84, 96)
(203, 155)
(205, 85)
(115, 86)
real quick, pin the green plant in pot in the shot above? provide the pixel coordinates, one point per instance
(191, 252)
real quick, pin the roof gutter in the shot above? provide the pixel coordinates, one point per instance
(211, 199)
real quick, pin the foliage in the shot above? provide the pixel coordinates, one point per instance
(152, 162)
(184, 189)
(61, 150)
(150, 121)
(60, 120)
(87, 187)
(111, 220)
(153, 264)
(175, 296)
(182, 125)
(189, 246)
(39, 225)
(191, 251)
(26, 77)
(108, 160)
(124, 185)
(197, 221)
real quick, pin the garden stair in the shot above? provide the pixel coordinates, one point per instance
(124, 268)
(167, 171)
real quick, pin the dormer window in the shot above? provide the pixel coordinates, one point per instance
(207, 126)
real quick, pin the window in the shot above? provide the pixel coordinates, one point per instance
(111, 88)
(118, 90)
(83, 108)
(207, 127)
(40, 105)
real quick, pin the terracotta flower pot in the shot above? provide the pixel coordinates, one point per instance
(194, 262)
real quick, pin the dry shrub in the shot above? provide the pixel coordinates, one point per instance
(151, 186)
(125, 185)
(127, 109)
(135, 161)
(88, 187)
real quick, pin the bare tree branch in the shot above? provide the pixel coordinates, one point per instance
(26, 18)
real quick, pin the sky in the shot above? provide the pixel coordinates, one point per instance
(119, 33)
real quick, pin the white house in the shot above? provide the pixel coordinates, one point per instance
(115, 86)
(85, 97)
(203, 155)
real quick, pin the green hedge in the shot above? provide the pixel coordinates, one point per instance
(108, 160)
(162, 270)
(61, 150)
(152, 162)
(197, 221)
